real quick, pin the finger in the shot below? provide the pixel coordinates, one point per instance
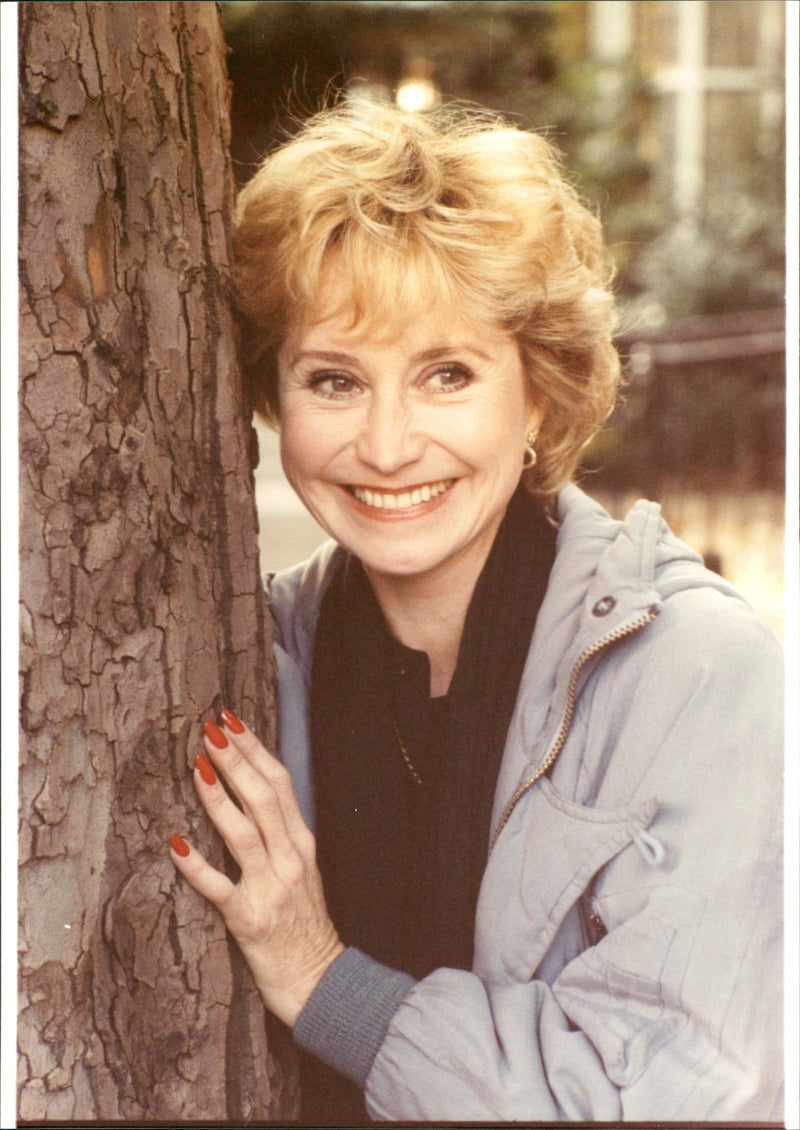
(210, 883)
(256, 753)
(240, 832)
(287, 845)
(265, 763)
(246, 765)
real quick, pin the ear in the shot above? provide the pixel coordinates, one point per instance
(536, 415)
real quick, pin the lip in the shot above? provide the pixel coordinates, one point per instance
(394, 513)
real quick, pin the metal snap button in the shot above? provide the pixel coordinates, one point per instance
(604, 606)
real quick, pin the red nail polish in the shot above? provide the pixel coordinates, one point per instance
(215, 735)
(179, 845)
(231, 721)
(205, 769)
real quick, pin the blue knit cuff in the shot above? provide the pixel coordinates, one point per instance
(344, 1021)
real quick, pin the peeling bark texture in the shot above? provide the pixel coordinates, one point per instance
(142, 611)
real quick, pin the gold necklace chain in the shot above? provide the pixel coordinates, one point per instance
(406, 758)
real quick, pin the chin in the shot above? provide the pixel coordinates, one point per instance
(394, 564)
(399, 564)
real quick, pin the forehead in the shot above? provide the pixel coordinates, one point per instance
(390, 302)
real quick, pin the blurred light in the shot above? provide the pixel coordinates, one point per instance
(640, 360)
(653, 316)
(361, 90)
(416, 91)
(417, 94)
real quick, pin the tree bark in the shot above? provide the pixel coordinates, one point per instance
(142, 611)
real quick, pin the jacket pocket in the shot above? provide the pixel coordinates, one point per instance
(626, 992)
(543, 861)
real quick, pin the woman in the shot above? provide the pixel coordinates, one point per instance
(539, 748)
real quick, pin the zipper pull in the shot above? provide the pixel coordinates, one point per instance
(651, 848)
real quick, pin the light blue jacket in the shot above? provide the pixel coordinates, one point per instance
(628, 952)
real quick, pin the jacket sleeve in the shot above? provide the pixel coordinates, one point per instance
(675, 1013)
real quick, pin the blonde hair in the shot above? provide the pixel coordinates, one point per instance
(459, 205)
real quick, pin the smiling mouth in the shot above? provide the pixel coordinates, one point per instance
(401, 499)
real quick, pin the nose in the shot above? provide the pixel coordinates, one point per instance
(389, 438)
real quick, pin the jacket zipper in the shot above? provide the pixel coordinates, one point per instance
(618, 633)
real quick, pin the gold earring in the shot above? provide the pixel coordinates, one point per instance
(529, 458)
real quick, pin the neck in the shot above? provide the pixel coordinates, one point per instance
(427, 613)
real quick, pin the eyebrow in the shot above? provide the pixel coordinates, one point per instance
(323, 355)
(333, 357)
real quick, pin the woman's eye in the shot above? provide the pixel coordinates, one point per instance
(333, 385)
(450, 378)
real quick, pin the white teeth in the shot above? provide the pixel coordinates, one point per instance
(401, 501)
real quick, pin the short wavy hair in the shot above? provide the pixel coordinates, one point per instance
(458, 204)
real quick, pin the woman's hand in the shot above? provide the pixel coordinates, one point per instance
(276, 911)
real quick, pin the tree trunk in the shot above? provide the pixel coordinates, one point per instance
(141, 605)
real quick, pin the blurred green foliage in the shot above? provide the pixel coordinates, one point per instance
(720, 423)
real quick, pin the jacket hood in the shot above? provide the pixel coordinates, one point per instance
(610, 579)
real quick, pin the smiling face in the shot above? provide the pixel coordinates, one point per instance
(405, 447)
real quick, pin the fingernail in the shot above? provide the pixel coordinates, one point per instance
(231, 721)
(179, 845)
(205, 769)
(215, 735)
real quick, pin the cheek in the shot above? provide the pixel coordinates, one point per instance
(297, 447)
(311, 444)
(495, 431)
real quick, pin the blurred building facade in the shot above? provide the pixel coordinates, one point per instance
(717, 76)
